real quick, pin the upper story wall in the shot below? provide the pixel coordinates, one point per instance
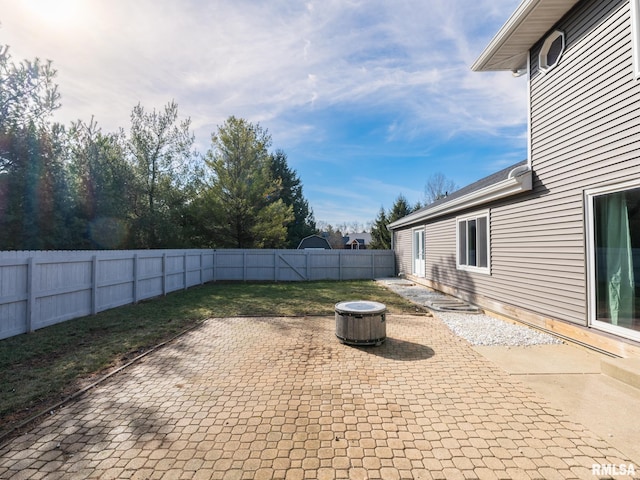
(585, 127)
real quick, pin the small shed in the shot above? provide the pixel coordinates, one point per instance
(314, 242)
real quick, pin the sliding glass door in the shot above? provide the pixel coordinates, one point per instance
(614, 259)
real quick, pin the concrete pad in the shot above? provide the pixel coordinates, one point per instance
(604, 405)
(542, 359)
(570, 379)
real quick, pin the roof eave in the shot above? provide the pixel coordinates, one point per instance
(513, 185)
(503, 35)
(509, 47)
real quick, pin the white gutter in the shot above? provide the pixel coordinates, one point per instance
(508, 29)
(531, 20)
(519, 180)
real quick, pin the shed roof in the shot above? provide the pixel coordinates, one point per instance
(509, 48)
(314, 242)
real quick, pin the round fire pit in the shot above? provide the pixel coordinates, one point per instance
(361, 322)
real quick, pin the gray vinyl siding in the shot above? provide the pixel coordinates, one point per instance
(584, 133)
(403, 250)
(538, 260)
(440, 254)
(530, 269)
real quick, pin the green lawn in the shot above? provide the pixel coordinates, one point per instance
(39, 369)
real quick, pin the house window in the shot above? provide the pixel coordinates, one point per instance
(473, 243)
(614, 259)
(552, 50)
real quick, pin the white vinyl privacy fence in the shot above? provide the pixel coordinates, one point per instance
(38, 289)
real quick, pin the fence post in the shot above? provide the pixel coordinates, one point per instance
(31, 296)
(244, 265)
(135, 278)
(340, 263)
(215, 266)
(201, 268)
(275, 265)
(184, 267)
(164, 273)
(373, 266)
(94, 284)
(307, 270)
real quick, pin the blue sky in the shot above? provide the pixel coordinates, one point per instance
(366, 97)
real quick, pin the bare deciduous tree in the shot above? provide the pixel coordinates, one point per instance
(438, 186)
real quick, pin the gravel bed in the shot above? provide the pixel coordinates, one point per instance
(488, 331)
(477, 329)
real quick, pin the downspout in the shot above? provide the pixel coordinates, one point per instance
(529, 127)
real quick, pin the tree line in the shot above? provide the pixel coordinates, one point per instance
(78, 187)
(437, 187)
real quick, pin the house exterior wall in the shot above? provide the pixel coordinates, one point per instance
(402, 248)
(531, 276)
(440, 254)
(585, 132)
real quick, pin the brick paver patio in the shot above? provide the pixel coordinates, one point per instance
(256, 398)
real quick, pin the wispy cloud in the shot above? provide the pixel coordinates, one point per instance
(258, 59)
(304, 70)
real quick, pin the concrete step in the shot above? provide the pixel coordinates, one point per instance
(626, 370)
(451, 305)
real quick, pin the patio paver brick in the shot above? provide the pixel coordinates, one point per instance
(263, 398)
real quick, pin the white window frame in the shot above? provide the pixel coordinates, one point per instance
(635, 36)
(546, 46)
(589, 197)
(466, 218)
